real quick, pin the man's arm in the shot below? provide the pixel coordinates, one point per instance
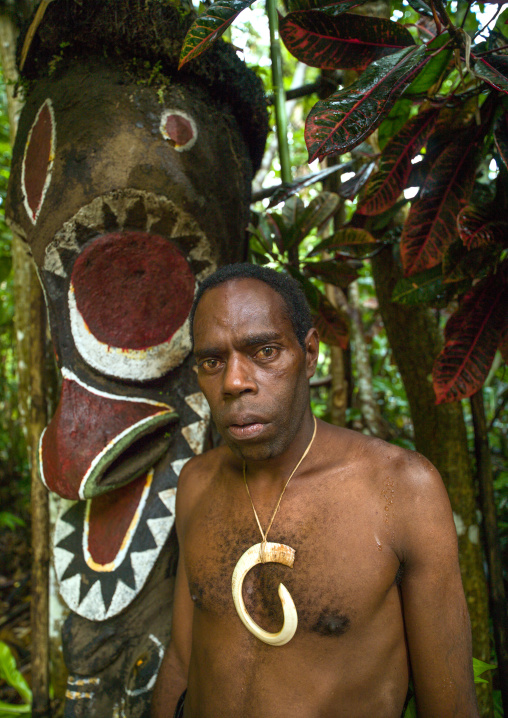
(435, 610)
(172, 678)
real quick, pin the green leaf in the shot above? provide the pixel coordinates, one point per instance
(433, 70)
(424, 288)
(8, 709)
(10, 674)
(411, 706)
(10, 521)
(395, 119)
(342, 121)
(319, 211)
(5, 267)
(209, 26)
(480, 667)
(346, 41)
(287, 189)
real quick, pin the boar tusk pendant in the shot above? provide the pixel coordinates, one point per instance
(274, 553)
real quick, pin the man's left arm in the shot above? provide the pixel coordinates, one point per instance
(435, 609)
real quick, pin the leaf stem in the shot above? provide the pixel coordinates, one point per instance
(479, 32)
(489, 52)
(278, 92)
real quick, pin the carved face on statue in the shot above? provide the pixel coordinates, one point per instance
(127, 198)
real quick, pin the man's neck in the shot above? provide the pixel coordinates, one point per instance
(274, 471)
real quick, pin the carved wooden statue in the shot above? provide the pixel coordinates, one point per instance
(130, 183)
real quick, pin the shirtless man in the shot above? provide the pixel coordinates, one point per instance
(375, 582)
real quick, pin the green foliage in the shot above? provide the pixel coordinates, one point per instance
(10, 521)
(10, 674)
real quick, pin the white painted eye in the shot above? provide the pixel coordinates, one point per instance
(37, 166)
(179, 129)
(129, 301)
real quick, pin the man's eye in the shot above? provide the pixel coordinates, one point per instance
(210, 364)
(267, 352)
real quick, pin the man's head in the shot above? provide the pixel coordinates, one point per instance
(252, 368)
(296, 307)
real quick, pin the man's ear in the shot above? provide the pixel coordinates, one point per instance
(311, 351)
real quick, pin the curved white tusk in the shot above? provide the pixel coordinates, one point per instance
(274, 553)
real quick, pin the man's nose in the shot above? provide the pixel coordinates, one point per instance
(238, 376)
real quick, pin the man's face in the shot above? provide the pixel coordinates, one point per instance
(251, 368)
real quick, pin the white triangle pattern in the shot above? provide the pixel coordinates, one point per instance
(69, 590)
(92, 606)
(199, 404)
(178, 465)
(121, 598)
(160, 528)
(194, 434)
(62, 559)
(62, 530)
(142, 563)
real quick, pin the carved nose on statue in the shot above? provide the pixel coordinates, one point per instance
(98, 441)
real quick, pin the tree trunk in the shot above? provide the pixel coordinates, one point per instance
(30, 324)
(440, 435)
(493, 550)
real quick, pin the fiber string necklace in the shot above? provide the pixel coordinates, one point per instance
(264, 534)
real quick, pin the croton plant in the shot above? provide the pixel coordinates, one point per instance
(431, 90)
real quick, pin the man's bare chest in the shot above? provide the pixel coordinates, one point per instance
(338, 577)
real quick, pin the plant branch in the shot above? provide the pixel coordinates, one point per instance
(479, 32)
(308, 89)
(278, 92)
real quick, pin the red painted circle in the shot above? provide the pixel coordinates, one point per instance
(179, 129)
(133, 289)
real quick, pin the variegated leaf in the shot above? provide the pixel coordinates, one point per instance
(501, 137)
(347, 41)
(479, 228)
(472, 336)
(347, 117)
(384, 188)
(332, 326)
(431, 225)
(494, 70)
(340, 274)
(209, 26)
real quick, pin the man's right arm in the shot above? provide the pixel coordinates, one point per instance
(172, 678)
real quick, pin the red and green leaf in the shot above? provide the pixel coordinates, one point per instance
(431, 225)
(351, 187)
(340, 6)
(494, 70)
(287, 189)
(340, 274)
(384, 188)
(344, 41)
(209, 26)
(347, 117)
(501, 137)
(472, 336)
(479, 228)
(332, 326)
(343, 237)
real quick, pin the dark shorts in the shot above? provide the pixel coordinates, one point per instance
(179, 706)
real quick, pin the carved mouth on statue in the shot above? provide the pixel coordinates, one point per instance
(98, 441)
(105, 547)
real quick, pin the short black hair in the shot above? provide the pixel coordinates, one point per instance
(297, 308)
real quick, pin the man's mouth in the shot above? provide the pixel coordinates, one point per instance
(246, 429)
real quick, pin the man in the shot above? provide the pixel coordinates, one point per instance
(375, 587)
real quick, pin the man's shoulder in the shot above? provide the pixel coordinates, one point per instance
(378, 460)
